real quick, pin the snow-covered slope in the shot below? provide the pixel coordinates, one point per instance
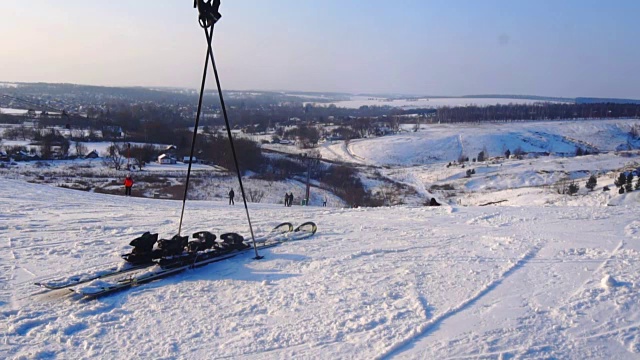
(426, 161)
(437, 143)
(399, 282)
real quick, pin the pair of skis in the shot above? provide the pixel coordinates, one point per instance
(76, 279)
(118, 278)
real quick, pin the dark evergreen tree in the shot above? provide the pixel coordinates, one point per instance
(592, 182)
(481, 156)
(621, 180)
(628, 186)
(573, 188)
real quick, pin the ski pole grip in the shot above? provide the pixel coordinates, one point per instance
(208, 10)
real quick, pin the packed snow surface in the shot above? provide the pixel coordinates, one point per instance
(397, 282)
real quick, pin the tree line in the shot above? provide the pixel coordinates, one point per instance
(538, 111)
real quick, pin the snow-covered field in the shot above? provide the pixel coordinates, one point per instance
(358, 101)
(396, 282)
(10, 111)
(537, 275)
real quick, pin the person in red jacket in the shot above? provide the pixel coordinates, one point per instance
(128, 183)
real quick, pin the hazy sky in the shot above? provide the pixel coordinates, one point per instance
(449, 47)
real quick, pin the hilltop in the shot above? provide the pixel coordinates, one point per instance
(389, 282)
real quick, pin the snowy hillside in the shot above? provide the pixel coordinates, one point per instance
(446, 142)
(425, 161)
(392, 282)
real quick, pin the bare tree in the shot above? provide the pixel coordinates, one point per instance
(24, 132)
(78, 134)
(395, 124)
(63, 147)
(113, 158)
(362, 126)
(81, 149)
(20, 132)
(255, 195)
(561, 187)
(518, 152)
(142, 154)
(46, 144)
(91, 134)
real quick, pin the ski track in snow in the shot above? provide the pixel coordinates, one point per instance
(433, 323)
(397, 282)
(348, 149)
(562, 330)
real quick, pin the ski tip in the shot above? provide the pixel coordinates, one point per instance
(285, 227)
(309, 227)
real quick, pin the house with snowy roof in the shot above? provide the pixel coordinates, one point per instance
(166, 159)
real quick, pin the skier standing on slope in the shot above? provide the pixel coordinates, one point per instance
(128, 183)
(231, 195)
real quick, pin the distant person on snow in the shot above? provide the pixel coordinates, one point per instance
(231, 195)
(128, 183)
(324, 201)
(291, 199)
(286, 199)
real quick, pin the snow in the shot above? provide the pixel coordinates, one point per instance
(102, 147)
(533, 274)
(421, 160)
(392, 282)
(608, 281)
(358, 101)
(11, 111)
(437, 143)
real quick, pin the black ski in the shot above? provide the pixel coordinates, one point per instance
(174, 265)
(142, 262)
(84, 278)
(127, 268)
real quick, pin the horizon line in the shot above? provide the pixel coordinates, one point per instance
(487, 95)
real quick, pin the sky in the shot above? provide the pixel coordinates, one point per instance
(458, 47)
